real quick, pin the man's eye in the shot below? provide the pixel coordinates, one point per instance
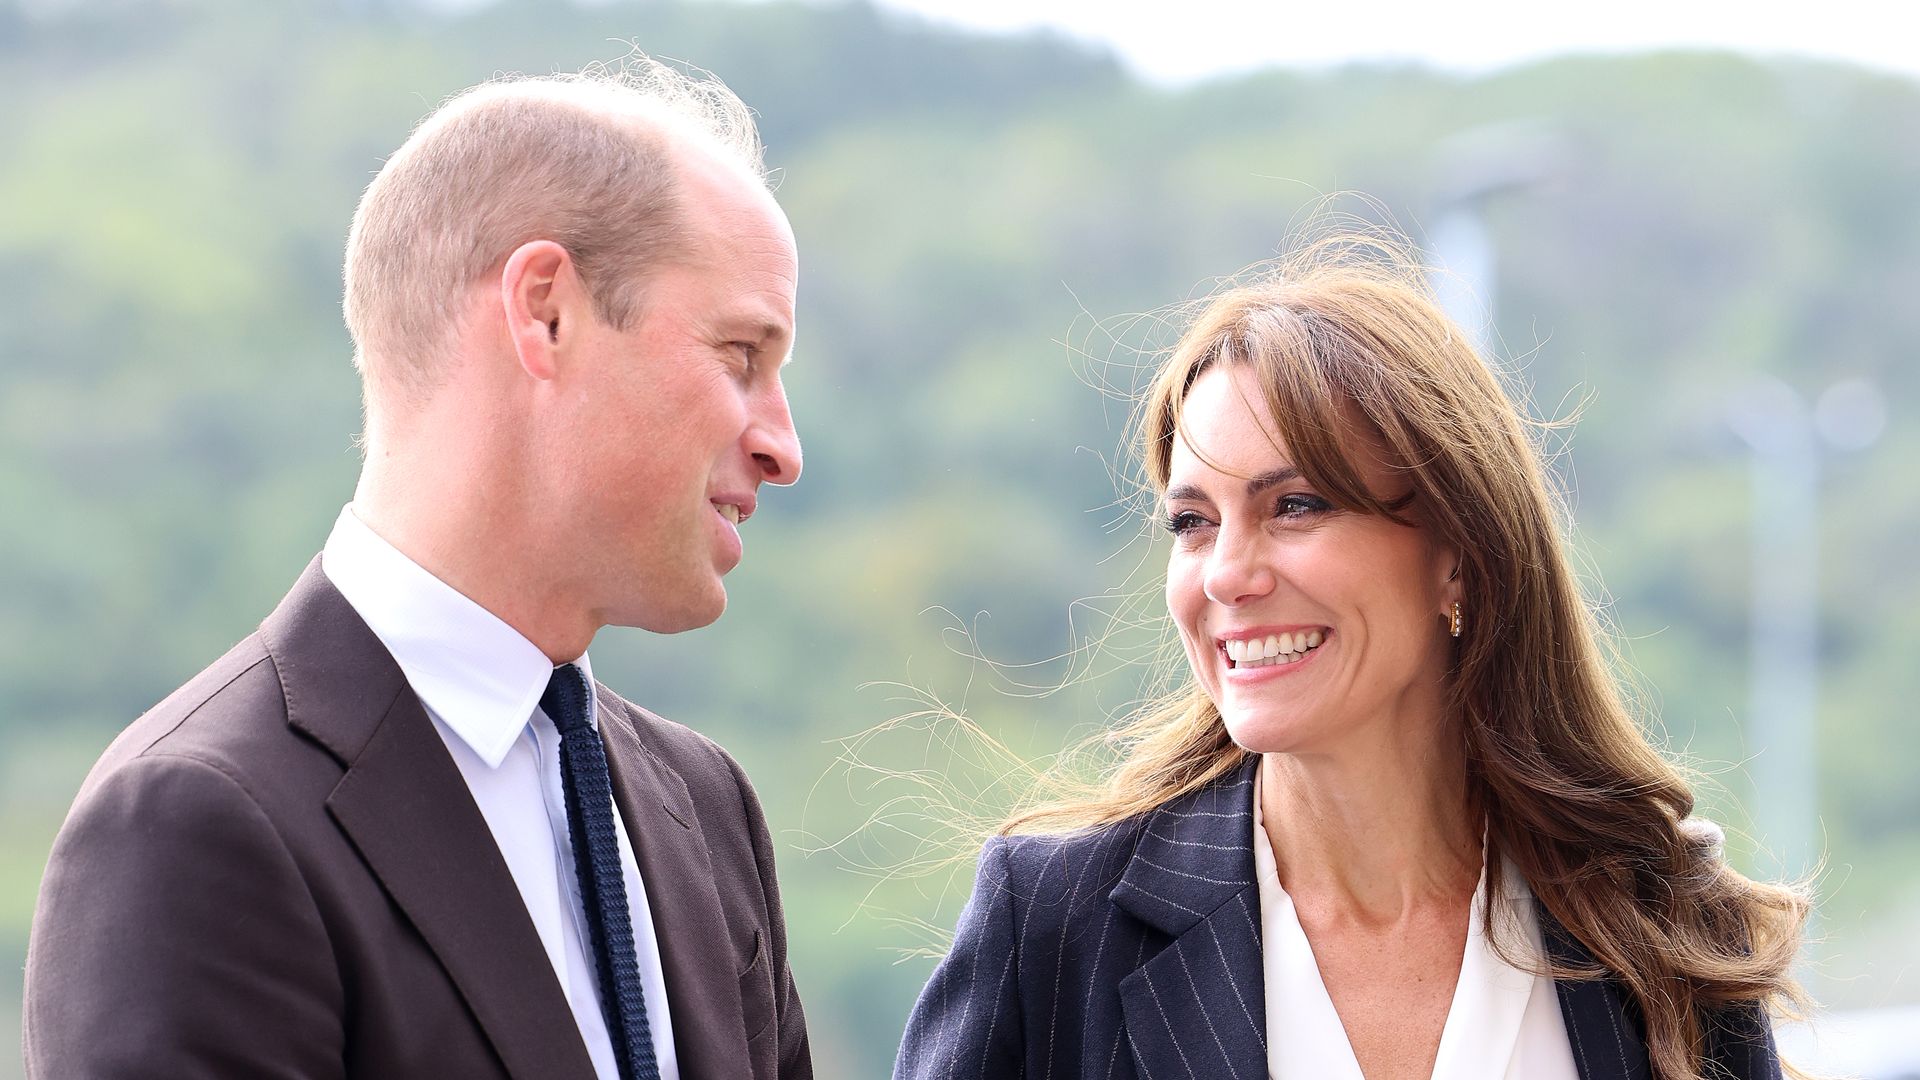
(746, 349)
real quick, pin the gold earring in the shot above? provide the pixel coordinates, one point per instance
(1454, 621)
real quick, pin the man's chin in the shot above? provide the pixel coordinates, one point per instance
(680, 618)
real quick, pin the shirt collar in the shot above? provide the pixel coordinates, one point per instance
(479, 676)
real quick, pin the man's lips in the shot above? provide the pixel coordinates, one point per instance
(736, 507)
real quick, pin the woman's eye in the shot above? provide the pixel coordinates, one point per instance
(1301, 506)
(1184, 522)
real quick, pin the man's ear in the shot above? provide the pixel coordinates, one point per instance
(538, 297)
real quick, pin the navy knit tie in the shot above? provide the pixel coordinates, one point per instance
(596, 857)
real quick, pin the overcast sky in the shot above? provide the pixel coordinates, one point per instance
(1179, 40)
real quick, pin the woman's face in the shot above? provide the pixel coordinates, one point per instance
(1304, 623)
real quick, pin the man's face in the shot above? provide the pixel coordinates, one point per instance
(682, 415)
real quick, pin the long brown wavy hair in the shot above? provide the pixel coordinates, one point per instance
(1589, 813)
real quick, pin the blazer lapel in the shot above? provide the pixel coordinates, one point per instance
(1607, 1040)
(703, 988)
(1198, 1007)
(406, 809)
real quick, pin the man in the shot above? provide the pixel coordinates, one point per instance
(398, 831)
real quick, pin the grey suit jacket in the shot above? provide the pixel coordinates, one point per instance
(1134, 952)
(279, 872)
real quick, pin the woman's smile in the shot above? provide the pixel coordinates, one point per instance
(1261, 654)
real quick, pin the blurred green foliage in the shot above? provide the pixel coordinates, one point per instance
(978, 220)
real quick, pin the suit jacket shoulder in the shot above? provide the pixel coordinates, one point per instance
(1077, 955)
(231, 717)
(1056, 887)
(180, 838)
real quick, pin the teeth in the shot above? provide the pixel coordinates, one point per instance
(730, 512)
(1273, 649)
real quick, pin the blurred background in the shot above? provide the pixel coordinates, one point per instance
(1712, 256)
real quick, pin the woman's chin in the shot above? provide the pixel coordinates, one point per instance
(1262, 733)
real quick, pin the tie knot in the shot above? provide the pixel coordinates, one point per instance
(568, 699)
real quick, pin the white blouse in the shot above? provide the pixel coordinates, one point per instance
(1503, 1022)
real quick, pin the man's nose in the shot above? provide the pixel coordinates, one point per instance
(773, 442)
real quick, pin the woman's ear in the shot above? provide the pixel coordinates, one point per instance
(1452, 589)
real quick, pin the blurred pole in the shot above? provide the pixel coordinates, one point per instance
(1466, 271)
(1788, 440)
(1784, 647)
(1471, 169)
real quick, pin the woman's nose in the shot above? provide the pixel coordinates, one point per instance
(1236, 573)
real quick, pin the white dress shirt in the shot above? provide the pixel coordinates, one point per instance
(1503, 1023)
(481, 682)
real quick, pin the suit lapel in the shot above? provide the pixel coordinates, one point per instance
(1607, 1040)
(703, 988)
(406, 809)
(1198, 1007)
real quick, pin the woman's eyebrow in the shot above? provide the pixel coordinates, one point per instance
(1185, 493)
(1271, 478)
(1285, 474)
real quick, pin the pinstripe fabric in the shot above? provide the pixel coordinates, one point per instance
(1133, 953)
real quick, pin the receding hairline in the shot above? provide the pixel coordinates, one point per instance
(686, 124)
(682, 143)
(600, 98)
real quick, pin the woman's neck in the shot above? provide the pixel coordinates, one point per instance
(1373, 829)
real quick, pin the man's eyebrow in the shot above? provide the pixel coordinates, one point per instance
(759, 329)
(1271, 478)
(762, 332)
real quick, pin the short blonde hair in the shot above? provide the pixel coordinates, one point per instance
(585, 160)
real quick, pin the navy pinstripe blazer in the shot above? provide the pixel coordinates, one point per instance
(1134, 952)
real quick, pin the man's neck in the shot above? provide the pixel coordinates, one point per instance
(465, 542)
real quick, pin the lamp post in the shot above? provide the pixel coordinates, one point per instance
(1473, 168)
(1787, 440)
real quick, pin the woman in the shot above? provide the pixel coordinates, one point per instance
(1399, 823)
